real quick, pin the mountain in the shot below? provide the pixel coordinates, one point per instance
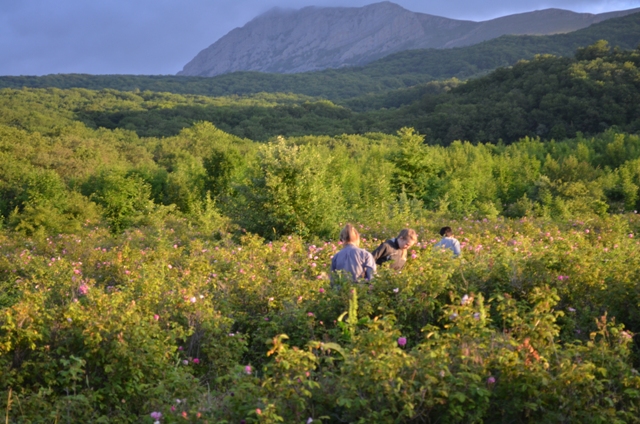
(373, 81)
(313, 38)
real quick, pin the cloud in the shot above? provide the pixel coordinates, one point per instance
(160, 36)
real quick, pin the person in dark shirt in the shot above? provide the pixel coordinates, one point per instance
(394, 251)
(352, 259)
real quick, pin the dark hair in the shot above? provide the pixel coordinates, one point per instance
(446, 231)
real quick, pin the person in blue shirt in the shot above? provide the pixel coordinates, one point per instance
(352, 259)
(448, 241)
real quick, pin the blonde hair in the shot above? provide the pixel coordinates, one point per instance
(349, 234)
(408, 234)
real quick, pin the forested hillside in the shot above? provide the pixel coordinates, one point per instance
(397, 71)
(548, 97)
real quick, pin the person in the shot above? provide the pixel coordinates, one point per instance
(352, 259)
(394, 251)
(448, 241)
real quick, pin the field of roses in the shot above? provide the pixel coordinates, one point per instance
(535, 323)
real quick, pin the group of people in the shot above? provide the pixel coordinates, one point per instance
(362, 265)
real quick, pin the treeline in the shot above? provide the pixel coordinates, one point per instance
(57, 182)
(401, 70)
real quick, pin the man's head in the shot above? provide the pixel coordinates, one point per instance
(446, 232)
(407, 238)
(349, 235)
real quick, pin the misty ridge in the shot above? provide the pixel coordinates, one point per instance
(316, 38)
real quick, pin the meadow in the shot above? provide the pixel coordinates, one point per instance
(535, 323)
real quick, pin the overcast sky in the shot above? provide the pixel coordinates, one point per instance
(39, 37)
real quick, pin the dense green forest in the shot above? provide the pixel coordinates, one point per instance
(166, 257)
(401, 70)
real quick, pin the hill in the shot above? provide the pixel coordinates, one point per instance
(547, 97)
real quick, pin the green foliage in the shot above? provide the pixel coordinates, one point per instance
(293, 192)
(125, 199)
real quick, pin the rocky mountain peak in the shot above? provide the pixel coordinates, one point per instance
(315, 38)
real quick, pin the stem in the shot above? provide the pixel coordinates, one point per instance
(8, 407)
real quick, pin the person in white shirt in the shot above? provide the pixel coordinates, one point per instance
(448, 241)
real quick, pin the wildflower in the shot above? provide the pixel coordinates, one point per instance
(173, 408)
(69, 319)
(156, 415)
(313, 265)
(83, 289)
(464, 300)
(185, 362)
(570, 309)
(184, 414)
(321, 290)
(196, 361)
(630, 235)
(310, 314)
(587, 231)
(453, 316)
(442, 373)
(396, 290)
(258, 411)
(626, 335)
(169, 266)
(193, 300)
(402, 341)
(476, 316)
(310, 420)
(156, 317)
(248, 369)
(491, 380)
(413, 255)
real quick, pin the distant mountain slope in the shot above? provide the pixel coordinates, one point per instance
(398, 71)
(292, 41)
